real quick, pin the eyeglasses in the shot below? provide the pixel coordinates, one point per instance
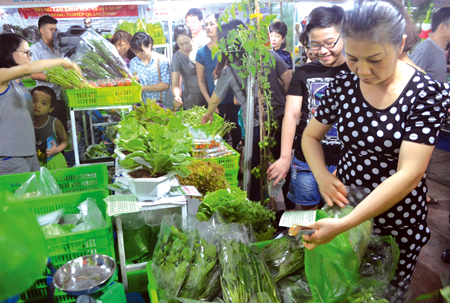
(28, 52)
(328, 45)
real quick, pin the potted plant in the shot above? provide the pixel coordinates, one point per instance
(158, 152)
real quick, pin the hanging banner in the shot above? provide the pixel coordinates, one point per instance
(79, 12)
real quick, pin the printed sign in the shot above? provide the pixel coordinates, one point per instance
(80, 12)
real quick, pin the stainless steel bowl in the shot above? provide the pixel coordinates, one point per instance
(85, 275)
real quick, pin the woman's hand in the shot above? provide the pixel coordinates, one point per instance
(177, 102)
(326, 230)
(71, 65)
(332, 190)
(207, 118)
(278, 170)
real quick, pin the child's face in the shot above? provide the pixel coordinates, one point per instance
(41, 103)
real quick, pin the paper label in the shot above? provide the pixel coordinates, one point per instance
(303, 218)
(118, 186)
(184, 191)
(121, 204)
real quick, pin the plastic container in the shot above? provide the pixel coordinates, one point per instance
(232, 176)
(104, 96)
(29, 82)
(149, 188)
(137, 281)
(231, 162)
(274, 191)
(73, 179)
(67, 247)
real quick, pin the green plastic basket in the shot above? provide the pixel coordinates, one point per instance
(73, 179)
(104, 96)
(232, 176)
(151, 279)
(67, 247)
(137, 281)
(231, 163)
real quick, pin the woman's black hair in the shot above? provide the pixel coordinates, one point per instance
(9, 44)
(216, 16)
(304, 38)
(141, 39)
(374, 20)
(325, 17)
(280, 28)
(237, 56)
(48, 91)
(122, 35)
(412, 35)
(181, 30)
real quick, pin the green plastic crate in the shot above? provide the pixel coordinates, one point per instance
(104, 96)
(232, 176)
(67, 247)
(137, 281)
(151, 279)
(73, 179)
(231, 163)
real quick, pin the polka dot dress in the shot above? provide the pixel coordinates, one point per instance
(371, 141)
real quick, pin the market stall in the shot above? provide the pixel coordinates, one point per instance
(157, 213)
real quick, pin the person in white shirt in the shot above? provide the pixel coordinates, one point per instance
(194, 20)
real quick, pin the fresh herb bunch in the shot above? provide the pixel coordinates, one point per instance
(193, 116)
(284, 256)
(95, 67)
(206, 176)
(245, 276)
(171, 260)
(185, 265)
(223, 129)
(236, 208)
(67, 78)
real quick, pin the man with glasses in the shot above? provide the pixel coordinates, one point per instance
(45, 49)
(307, 87)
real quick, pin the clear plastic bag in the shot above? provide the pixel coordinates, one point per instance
(294, 289)
(50, 218)
(55, 229)
(45, 185)
(108, 52)
(92, 216)
(185, 265)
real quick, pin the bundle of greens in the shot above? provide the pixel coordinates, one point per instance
(140, 26)
(106, 57)
(193, 116)
(164, 147)
(295, 289)
(366, 296)
(284, 256)
(67, 78)
(185, 265)
(96, 151)
(171, 260)
(222, 129)
(206, 176)
(93, 66)
(245, 277)
(236, 208)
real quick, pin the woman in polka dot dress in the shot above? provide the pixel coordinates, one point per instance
(388, 117)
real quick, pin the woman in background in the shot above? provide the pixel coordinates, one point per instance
(183, 63)
(121, 40)
(278, 31)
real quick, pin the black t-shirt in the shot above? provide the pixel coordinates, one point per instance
(310, 82)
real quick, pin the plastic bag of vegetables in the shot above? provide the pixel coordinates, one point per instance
(43, 185)
(185, 264)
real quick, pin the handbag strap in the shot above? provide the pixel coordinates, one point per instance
(159, 76)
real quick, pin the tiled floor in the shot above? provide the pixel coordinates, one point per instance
(429, 266)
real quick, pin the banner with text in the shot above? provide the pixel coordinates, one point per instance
(80, 12)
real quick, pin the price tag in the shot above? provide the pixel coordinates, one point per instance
(121, 204)
(184, 191)
(303, 218)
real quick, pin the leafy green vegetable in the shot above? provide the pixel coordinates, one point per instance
(151, 112)
(236, 208)
(206, 176)
(365, 296)
(295, 289)
(185, 265)
(96, 151)
(245, 277)
(284, 256)
(193, 116)
(67, 78)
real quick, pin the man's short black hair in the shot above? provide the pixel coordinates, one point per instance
(46, 19)
(441, 16)
(195, 12)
